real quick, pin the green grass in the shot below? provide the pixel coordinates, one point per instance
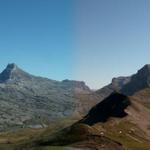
(147, 105)
(127, 137)
(23, 137)
(52, 148)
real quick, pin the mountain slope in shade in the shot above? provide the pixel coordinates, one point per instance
(113, 106)
(30, 101)
(122, 107)
(139, 81)
(128, 85)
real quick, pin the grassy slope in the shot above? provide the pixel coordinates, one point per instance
(129, 136)
(144, 96)
(53, 148)
(126, 133)
(13, 140)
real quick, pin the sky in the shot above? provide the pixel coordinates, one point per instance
(89, 40)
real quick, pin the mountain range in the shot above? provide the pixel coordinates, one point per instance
(31, 101)
(115, 117)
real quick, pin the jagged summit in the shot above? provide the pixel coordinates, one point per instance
(13, 73)
(138, 81)
(128, 85)
(145, 70)
(147, 66)
(11, 66)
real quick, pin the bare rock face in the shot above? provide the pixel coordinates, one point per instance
(13, 74)
(78, 85)
(139, 81)
(115, 85)
(30, 101)
(128, 85)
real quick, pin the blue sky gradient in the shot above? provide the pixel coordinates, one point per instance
(113, 39)
(90, 40)
(37, 36)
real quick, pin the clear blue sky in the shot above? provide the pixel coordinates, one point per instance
(90, 40)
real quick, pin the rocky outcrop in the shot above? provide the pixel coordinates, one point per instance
(128, 85)
(115, 85)
(139, 81)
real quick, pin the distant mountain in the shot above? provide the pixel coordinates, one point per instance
(115, 85)
(14, 74)
(128, 85)
(30, 101)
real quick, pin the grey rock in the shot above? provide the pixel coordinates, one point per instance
(115, 85)
(128, 85)
(31, 101)
(139, 81)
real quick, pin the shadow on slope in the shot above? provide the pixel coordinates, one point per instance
(113, 106)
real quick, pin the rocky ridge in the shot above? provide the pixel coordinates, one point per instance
(30, 101)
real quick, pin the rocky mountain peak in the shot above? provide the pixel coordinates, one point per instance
(147, 66)
(145, 70)
(129, 84)
(13, 73)
(11, 66)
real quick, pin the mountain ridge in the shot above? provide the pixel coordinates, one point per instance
(35, 101)
(128, 85)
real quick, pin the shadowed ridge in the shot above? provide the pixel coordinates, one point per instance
(128, 85)
(139, 81)
(113, 106)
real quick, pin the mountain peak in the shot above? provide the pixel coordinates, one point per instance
(144, 73)
(11, 66)
(146, 68)
(139, 81)
(13, 73)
